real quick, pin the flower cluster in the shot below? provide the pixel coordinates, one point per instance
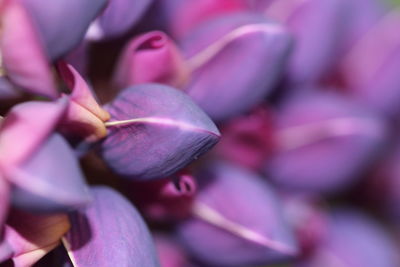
(194, 133)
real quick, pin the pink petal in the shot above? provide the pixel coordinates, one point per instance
(80, 91)
(25, 127)
(151, 57)
(23, 56)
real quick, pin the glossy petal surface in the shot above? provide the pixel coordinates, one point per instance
(109, 232)
(226, 229)
(226, 80)
(154, 131)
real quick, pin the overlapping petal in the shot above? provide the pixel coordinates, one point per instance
(50, 180)
(109, 232)
(354, 240)
(62, 24)
(226, 80)
(25, 127)
(318, 27)
(84, 117)
(19, 41)
(121, 15)
(151, 57)
(154, 131)
(225, 229)
(324, 141)
(165, 199)
(29, 237)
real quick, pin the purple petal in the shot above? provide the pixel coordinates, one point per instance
(63, 24)
(370, 68)
(151, 57)
(237, 220)
(50, 180)
(109, 232)
(365, 14)
(26, 126)
(226, 80)
(79, 57)
(179, 17)
(121, 15)
(318, 27)
(324, 142)
(18, 42)
(29, 237)
(154, 131)
(164, 199)
(354, 240)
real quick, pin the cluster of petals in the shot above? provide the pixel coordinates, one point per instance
(199, 133)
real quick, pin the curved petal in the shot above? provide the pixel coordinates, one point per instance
(237, 220)
(226, 80)
(121, 15)
(26, 126)
(370, 68)
(151, 57)
(179, 17)
(154, 131)
(63, 23)
(85, 117)
(365, 14)
(324, 142)
(50, 180)
(109, 232)
(80, 91)
(354, 240)
(318, 27)
(18, 43)
(29, 237)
